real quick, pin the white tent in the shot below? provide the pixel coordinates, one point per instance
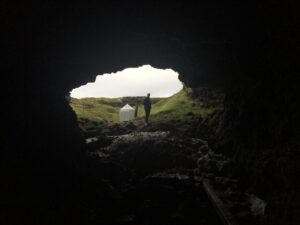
(126, 113)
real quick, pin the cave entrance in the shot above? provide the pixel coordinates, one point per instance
(99, 103)
(149, 168)
(132, 82)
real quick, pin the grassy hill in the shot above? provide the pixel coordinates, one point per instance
(97, 109)
(101, 110)
(178, 106)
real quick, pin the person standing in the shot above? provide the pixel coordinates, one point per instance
(136, 112)
(147, 107)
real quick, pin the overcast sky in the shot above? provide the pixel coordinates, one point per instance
(132, 82)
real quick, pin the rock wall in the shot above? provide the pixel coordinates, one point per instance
(264, 142)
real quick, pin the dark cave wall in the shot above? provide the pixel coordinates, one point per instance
(260, 126)
(248, 49)
(262, 119)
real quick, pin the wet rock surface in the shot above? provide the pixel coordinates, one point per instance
(154, 175)
(147, 177)
(244, 205)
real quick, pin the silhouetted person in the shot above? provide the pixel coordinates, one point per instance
(147, 107)
(136, 111)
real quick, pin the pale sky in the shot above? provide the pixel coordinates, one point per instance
(132, 82)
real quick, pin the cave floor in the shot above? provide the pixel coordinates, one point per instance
(146, 176)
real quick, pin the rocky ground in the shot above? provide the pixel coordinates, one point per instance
(153, 175)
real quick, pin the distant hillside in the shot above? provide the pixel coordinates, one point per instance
(97, 109)
(101, 110)
(179, 106)
(104, 109)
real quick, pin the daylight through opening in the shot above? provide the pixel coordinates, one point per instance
(132, 82)
(121, 99)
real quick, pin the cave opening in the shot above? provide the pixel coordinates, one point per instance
(134, 81)
(100, 103)
(147, 171)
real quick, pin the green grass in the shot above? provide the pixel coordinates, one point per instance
(97, 109)
(178, 106)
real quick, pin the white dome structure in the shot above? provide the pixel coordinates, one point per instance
(126, 113)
